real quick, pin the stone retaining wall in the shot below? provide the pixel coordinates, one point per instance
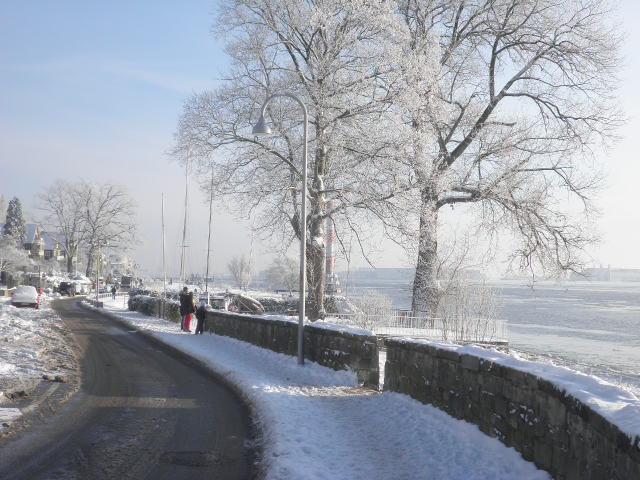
(337, 349)
(550, 428)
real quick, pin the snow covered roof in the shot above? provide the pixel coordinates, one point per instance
(32, 232)
(49, 240)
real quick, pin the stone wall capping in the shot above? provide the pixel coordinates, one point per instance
(448, 354)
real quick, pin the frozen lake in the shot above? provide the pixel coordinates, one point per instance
(591, 327)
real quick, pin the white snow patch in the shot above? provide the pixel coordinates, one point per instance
(9, 414)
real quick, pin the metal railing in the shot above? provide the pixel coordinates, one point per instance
(398, 323)
(124, 296)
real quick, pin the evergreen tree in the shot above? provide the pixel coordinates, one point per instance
(14, 225)
(3, 209)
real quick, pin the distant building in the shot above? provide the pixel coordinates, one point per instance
(41, 244)
(53, 248)
(33, 241)
(607, 274)
(625, 275)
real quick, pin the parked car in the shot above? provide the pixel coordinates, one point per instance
(81, 287)
(25, 296)
(67, 288)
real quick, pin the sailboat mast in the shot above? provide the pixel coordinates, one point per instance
(164, 265)
(206, 277)
(183, 257)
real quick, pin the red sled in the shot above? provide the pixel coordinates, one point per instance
(187, 321)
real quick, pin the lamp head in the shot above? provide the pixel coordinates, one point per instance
(261, 128)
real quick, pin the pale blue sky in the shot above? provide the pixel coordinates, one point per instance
(94, 90)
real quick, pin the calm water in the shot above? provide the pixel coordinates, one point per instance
(592, 327)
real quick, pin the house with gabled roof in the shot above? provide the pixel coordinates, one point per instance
(42, 244)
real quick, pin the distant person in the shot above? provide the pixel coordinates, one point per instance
(186, 309)
(201, 314)
(113, 292)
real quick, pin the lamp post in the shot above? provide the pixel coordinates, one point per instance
(261, 129)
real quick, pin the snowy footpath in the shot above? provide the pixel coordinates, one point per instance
(316, 423)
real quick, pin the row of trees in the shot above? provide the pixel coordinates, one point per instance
(415, 105)
(82, 216)
(282, 274)
(88, 216)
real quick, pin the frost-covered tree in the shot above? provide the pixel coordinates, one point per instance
(240, 269)
(62, 204)
(14, 224)
(3, 209)
(109, 219)
(284, 272)
(331, 54)
(523, 97)
(13, 258)
(88, 215)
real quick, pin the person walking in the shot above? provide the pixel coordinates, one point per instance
(201, 314)
(186, 308)
(113, 292)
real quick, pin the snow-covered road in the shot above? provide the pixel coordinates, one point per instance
(318, 424)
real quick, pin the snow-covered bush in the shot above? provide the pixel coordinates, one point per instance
(371, 309)
(466, 310)
(13, 258)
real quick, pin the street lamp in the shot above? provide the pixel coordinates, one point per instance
(261, 129)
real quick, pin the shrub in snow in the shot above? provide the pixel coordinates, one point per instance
(466, 310)
(151, 305)
(371, 309)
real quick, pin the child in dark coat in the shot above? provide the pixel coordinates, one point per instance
(201, 313)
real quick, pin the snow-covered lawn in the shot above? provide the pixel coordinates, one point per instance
(318, 424)
(33, 343)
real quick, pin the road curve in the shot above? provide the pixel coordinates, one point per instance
(141, 413)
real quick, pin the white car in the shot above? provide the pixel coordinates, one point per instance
(25, 296)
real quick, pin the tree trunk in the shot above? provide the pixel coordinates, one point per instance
(70, 251)
(316, 269)
(90, 262)
(316, 262)
(425, 284)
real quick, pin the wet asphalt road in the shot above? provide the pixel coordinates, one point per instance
(141, 413)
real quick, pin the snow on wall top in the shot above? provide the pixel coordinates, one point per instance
(619, 406)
